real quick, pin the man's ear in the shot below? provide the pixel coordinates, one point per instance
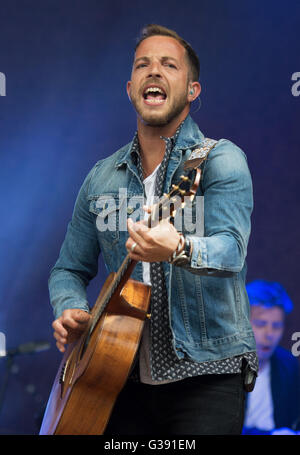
(194, 91)
(128, 89)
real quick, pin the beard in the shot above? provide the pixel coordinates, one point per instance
(157, 118)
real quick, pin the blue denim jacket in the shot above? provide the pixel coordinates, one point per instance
(208, 303)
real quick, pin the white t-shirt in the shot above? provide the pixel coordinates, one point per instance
(260, 404)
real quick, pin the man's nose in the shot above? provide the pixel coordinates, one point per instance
(154, 70)
(269, 332)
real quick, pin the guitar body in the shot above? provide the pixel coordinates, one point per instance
(95, 368)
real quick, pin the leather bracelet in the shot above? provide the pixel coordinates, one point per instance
(183, 252)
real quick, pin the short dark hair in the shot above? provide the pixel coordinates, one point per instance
(269, 294)
(154, 30)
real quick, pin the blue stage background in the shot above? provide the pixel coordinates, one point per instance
(66, 65)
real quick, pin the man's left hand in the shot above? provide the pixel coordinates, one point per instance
(152, 244)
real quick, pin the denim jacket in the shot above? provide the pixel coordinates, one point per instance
(208, 303)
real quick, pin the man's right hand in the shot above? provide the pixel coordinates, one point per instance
(69, 327)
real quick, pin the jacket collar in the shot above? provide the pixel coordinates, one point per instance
(189, 137)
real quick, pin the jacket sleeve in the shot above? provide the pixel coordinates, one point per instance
(78, 259)
(228, 204)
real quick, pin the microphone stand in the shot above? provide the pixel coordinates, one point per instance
(9, 365)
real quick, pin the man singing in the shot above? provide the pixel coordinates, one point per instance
(198, 347)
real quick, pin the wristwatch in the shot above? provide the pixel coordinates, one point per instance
(183, 253)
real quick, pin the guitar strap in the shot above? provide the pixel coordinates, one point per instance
(200, 153)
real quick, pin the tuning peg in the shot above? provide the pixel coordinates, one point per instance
(175, 187)
(184, 177)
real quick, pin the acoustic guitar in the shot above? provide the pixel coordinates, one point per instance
(95, 368)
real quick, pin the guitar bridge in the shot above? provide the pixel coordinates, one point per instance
(62, 374)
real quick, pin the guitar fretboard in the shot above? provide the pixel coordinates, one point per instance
(111, 289)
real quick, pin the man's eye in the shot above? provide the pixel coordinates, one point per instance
(140, 65)
(170, 65)
(277, 325)
(259, 323)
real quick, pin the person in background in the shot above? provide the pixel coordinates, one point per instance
(274, 405)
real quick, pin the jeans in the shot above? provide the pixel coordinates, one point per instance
(202, 405)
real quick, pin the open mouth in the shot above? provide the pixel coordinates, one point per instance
(154, 95)
(265, 348)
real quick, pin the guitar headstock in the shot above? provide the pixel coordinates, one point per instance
(169, 203)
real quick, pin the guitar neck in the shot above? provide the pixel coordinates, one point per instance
(118, 282)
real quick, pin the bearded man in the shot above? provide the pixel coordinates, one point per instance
(198, 347)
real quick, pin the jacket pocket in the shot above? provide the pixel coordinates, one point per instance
(107, 209)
